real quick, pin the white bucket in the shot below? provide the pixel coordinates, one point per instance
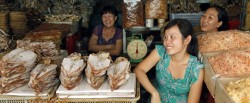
(149, 22)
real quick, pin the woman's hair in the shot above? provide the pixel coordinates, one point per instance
(222, 16)
(109, 9)
(186, 29)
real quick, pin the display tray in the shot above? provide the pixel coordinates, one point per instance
(131, 89)
(25, 94)
(84, 90)
(221, 95)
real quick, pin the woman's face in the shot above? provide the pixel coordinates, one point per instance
(173, 41)
(108, 19)
(209, 21)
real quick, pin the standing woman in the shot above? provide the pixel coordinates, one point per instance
(107, 37)
(179, 74)
(214, 19)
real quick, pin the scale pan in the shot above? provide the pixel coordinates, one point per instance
(138, 29)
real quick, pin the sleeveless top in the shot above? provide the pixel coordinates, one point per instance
(101, 41)
(173, 90)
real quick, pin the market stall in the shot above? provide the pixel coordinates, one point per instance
(35, 33)
(226, 61)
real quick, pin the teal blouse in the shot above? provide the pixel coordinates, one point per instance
(175, 90)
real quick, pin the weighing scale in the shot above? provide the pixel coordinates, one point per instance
(137, 48)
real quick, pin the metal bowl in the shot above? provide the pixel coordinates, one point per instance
(138, 30)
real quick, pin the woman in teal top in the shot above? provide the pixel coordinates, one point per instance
(179, 74)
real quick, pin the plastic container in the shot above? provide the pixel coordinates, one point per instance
(194, 18)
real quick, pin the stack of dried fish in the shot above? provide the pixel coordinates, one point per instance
(43, 77)
(54, 36)
(15, 69)
(71, 70)
(97, 66)
(118, 72)
(44, 50)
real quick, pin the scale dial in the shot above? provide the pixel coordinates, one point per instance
(137, 49)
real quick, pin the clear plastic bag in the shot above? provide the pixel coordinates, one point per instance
(156, 9)
(132, 13)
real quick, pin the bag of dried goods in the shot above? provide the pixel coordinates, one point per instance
(97, 65)
(71, 70)
(118, 72)
(132, 13)
(156, 9)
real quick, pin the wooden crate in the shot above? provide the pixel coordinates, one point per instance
(221, 95)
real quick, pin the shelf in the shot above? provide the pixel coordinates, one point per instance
(154, 28)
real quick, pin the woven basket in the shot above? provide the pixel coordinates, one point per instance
(18, 16)
(18, 31)
(18, 25)
(3, 17)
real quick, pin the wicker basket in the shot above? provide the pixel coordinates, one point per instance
(3, 16)
(18, 16)
(104, 100)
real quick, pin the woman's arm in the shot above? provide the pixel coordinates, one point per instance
(116, 50)
(93, 46)
(143, 68)
(196, 88)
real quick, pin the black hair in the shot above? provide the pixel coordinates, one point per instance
(186, 29)
(109, 9)
(222, 16)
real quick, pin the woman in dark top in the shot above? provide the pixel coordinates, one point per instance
(214, 19)
(107, 37)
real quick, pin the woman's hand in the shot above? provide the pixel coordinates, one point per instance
(155, 98)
